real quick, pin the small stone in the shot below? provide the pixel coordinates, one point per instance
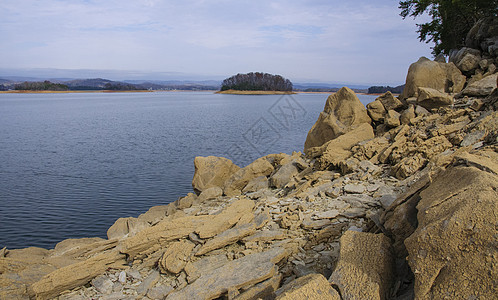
(330, 214)
(354, 188)
(122, 277)
(149, 282)
(103, 284)
(159, 292)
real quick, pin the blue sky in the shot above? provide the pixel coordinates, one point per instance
(356, 41)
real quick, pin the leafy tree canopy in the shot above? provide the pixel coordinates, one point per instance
(451, 20)
(256, 82)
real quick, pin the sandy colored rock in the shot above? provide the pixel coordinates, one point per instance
(238, 181)
(126, 227)
(392, 118)
(283, 175)
(376, 110)
(256, 184)
(482, 87)
(338, 149)
(76, 275)
(266, 236)
(431, 98)
(236, 274)
(443, 77)
(205, 265)
(263, 290)
(452, 252)
(228, 237)
(365, 266)
(210, 193)
(212, 171)
(226, 219)
(408, 115)
(342, 111)
(389, 101)
(312, 287)
(154, 214)
(176, 255)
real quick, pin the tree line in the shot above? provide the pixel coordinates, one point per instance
(256, 81)
(41, 86)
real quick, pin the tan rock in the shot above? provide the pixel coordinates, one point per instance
(452, 252)
(263, 290)
(237, 182)
(338, 149)
(444, 77)
(186, 202)
(256, 184)
(126, 227)
(365, 266)
(212, 171)
(228, 237)
(154, 214)
(431, 98)
(408, 115)
(389, 101)
(342, 111)
(482, 87)
(265, 236)
(226, 219)
(76, 275)
(392, 118)
(311, 287)
(210, 193)
(284, 174)
(236, 274)
(205, 265)
(376, 110)
(176, 255)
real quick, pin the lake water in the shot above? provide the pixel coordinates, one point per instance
(71, 164)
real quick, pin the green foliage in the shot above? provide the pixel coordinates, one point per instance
(256, 82)
(451, 20)
(41, 86)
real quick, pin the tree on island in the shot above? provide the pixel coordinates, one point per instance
(257, 82)
(41, 86)
(451, 20)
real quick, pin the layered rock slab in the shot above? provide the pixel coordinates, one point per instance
(311, 287)
(212, 171)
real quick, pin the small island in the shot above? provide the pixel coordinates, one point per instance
(256, 83)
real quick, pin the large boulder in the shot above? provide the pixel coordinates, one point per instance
(466, 59)
(482, 87)
(342, 111)
(430, 98)
(443, 77)
(212, 171)
(365, 266)
(452, 253)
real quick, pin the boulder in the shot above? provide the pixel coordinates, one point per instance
(376, 110)
(311, 287)
(452, 252)
(175, 257)
(445, 78)
(210, 193)
(211, 171)
(339, 149)
(124, 227)
(389, 101)
(283, 175)
(408, 115)
(256, 184)
(392, 118)
(236, 274)
(466, 59)
(431, 98)
(154, 214)
(342, 111)
(482, 87)
(365, 266)
(238, 181)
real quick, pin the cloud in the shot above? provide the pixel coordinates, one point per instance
(356, 41)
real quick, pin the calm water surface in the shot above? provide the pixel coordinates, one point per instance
(71, 164)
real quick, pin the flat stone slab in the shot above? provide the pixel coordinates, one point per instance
(240, 273)
(228, 237)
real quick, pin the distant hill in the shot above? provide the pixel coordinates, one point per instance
(384, 89)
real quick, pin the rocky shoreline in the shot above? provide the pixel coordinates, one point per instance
(395, 201)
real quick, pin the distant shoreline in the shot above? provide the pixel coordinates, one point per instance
(67, 92)
(235, 92)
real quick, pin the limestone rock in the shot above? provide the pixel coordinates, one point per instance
(240, 273)
(482, 87)
(431, 98)
(442, 77)
(226, 219)
(211, 171)
(376, 110)
(451, 251)
(76, 275)
(338, 149)
(342, 111)
(262, 290)
(365, 266)
(176, 255)
(408, 115)
(205, 265)
(154, 214)
(210, 193)
(226, 238)
(392, 118)
(256, 184)
(126, 227)
(312, 287)
(466, 59)
(389, 101)
(236, 183)
(283, 175)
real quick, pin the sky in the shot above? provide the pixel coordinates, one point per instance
(354, 41)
